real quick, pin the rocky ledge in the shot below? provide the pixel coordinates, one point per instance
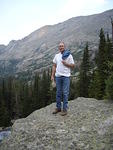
(88, 126)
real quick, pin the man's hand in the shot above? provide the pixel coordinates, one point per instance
(64, 62)
(52, 78)
(68, 65)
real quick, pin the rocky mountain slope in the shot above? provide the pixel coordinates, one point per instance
(36, 50)
(88, 126)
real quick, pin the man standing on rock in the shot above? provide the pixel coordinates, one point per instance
(62, 64)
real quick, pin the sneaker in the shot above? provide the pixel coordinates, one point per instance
(56, 111)
(63, 113)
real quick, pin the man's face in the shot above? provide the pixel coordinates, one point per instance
(61, 47)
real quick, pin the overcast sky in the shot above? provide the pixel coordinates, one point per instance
(18, 18)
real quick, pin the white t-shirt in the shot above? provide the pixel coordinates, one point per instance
(61, 69)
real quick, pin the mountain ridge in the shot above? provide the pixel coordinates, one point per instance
(36, 50)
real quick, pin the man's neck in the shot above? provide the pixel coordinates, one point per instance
(62, 51)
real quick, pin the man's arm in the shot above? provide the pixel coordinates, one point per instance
(53, 72)
(68, 65)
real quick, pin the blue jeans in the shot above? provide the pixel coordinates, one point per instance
(62, 85)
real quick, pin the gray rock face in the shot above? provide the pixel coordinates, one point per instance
(88, 126)
(2, 47)
(36, 50)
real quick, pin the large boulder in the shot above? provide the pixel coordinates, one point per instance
(88, 126)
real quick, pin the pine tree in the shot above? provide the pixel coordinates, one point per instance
(45, 89)
(108, 55)
(36, 92)
(18, 91)
(10, 96)
(109, 81)
(109, 87)
(95, 84)
(100, 73)
(84, 77)
(72, 93)
(27, 101)
(4, 114)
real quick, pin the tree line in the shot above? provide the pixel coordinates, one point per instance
(19, 98)
(97, 82)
